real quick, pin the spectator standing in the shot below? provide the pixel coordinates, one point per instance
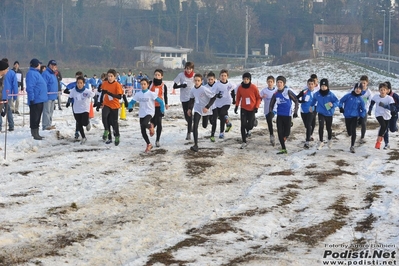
(138, 81)
(36, 89)
(3, 72)
(49, 76)
(9, 92)
(183, 62)
(123, 79)
(20, 79)
(3, 68)
(129, 84)
(59, 78)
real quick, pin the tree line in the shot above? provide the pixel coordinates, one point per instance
(87, 32)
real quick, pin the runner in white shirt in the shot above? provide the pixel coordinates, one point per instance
(266, 94)
(211, 78)
(81, 106)
(185, 81)
(385, 105)
(222, 90)
(146, 99)
(201, 100)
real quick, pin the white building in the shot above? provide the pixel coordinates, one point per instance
(162, 56)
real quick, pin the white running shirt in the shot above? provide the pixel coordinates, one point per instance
(184, 92)
(146, 102)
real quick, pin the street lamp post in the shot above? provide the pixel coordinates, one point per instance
(383, 34)
(322, 37)
(196, 25)
(389, 39)
(62, 23)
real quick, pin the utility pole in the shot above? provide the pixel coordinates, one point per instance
(383, 34)
(322, 36)
(390, 14)
(62, 23)
(246, 36)
(196, 44)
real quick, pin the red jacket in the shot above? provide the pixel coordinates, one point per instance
(249, 98)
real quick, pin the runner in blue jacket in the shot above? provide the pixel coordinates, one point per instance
(326, 104)
(353, 107)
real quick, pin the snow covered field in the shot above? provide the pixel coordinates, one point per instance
(62, 203)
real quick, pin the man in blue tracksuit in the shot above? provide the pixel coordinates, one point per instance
(51, 80)
(9, 93)
(36, 89)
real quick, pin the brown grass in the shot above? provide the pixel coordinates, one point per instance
(366, 224)
(339, 207)
(283, 173)
(324, 176)
(393, 155)
(316, 233)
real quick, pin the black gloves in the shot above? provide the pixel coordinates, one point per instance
(341, 110)
(67, 104)
(255, 110)
(162, 114)
(125, 100)
(233, 96)
(184, 85)
(236, 110)
(369, 112)
(219, 95)
(130, 110)
(98, 108)
(3, 112)
(295, 115)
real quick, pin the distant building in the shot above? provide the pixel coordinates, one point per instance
(161, 56)
(337, 38)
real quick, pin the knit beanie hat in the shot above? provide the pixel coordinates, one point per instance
(247, 75)
(282, 78)
(324, 82)
(3, 65)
